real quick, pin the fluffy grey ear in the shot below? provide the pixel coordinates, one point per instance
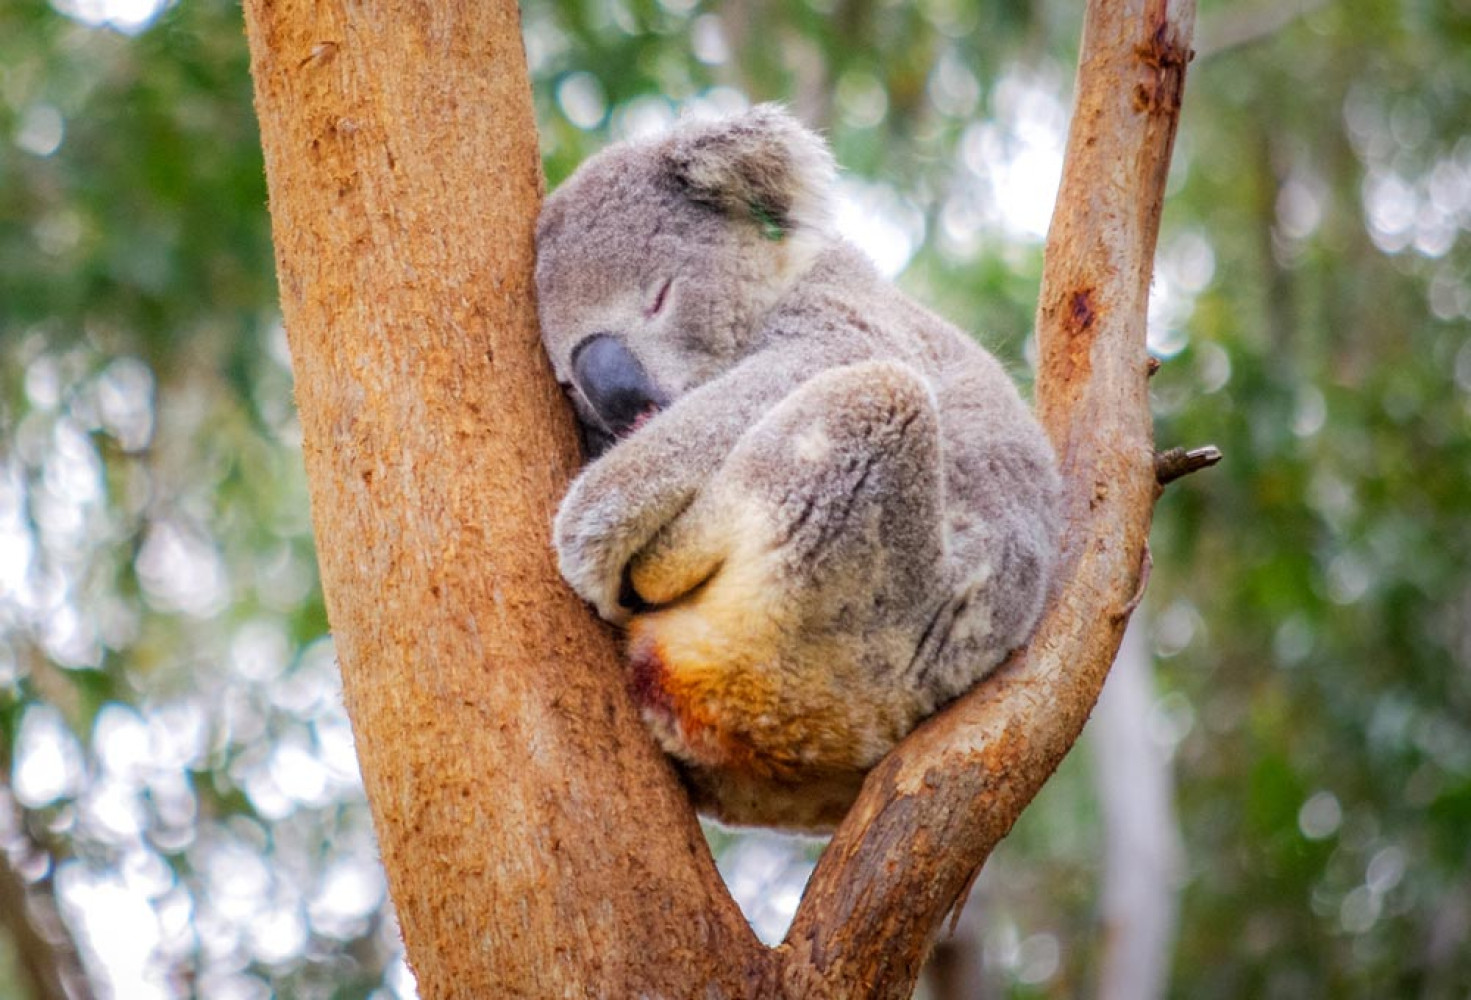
(762, 165)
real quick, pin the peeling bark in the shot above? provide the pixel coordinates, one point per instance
(535, 842)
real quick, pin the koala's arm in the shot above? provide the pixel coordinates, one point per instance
(626, 496)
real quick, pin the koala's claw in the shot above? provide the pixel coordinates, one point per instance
(599, 529)
(592, 586)
(581, 534)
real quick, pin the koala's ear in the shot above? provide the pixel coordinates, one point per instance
(762, 165)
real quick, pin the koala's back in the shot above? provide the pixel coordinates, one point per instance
(998, 464)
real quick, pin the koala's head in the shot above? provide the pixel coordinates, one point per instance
(658, 260)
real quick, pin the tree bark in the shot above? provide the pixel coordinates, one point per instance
(536, 844)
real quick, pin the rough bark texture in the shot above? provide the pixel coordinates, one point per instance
(536, 845)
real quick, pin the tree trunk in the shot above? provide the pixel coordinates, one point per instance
(535, 842)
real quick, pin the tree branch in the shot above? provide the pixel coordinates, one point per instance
(931, 812)
(1174, 463)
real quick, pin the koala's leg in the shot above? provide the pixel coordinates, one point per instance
(625, 497)
(839, 482)
(797, 577)
(1001, 546)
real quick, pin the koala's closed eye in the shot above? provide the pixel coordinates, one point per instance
(660, 299)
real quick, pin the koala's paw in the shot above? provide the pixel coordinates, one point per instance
(592, 541)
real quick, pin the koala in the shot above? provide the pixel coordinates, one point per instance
(820, 511)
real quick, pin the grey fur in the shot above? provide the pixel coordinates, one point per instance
(855, 475)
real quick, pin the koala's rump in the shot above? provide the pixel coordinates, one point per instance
(722, 688)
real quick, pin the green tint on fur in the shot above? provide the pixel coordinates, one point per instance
(770, 228)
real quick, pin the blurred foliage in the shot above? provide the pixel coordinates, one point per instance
(174, 755)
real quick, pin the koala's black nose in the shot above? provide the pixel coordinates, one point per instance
(614, 384)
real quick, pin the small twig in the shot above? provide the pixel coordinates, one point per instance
(1176, 462)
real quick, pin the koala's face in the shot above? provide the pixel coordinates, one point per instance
(657, 261)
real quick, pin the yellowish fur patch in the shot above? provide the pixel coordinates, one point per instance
(725, 685)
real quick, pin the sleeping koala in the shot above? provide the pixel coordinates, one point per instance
(821, 511)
